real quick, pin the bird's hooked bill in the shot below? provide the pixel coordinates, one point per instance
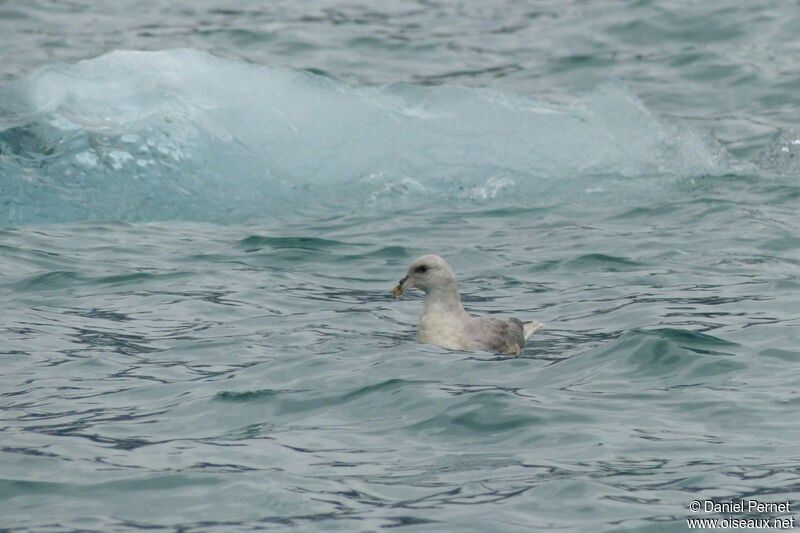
(398, 290)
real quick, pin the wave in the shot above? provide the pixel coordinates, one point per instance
(181, 134)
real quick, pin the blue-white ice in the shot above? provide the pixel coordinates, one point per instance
(181, 134)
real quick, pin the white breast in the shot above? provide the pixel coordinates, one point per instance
(443, 330)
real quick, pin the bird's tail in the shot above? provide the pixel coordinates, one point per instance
(529, 328)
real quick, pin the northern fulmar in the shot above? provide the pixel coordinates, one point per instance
(444, 321)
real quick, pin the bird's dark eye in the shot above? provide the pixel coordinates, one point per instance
(422, 269)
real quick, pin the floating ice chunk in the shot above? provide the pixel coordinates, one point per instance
(225, 140)
(117, 159)
(86, 158)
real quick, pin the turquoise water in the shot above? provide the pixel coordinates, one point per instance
(204, 211)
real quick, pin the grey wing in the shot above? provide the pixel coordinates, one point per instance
(494, 335)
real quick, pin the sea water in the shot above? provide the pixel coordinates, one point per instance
(204, 210)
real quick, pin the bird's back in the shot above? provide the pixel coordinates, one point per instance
(493, 335)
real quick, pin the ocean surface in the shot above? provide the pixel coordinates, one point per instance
(203, 210)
